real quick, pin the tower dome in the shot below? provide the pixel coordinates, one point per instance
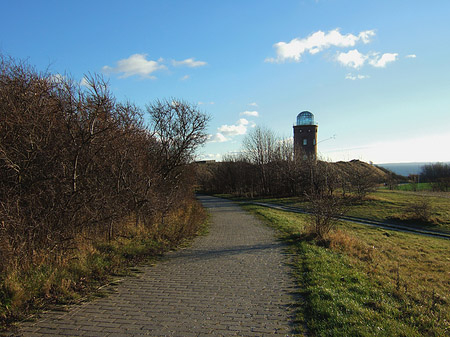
(305, 118)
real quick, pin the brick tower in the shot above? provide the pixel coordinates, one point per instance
(305, 136)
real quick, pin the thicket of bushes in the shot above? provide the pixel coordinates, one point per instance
(77, 166)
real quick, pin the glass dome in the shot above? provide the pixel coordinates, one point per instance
(305, 118)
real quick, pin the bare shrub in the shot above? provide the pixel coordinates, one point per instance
(74, 160)
(362, 181)
(325, 212)
(420, 210)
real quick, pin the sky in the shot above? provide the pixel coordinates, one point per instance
(375, 74)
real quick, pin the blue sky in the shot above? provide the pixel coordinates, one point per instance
(376, 74)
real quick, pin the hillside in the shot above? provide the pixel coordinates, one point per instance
(357, 166)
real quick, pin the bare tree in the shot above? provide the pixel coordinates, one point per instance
(179, 128)
(260, 149)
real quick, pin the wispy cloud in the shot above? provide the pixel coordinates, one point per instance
(139, 65)
(250, 113)
(352, 77)
(205, 103)
(84, 82)
(210, 156)
(57, 78)
(316, 42)
(356, 60)
(190, 62)
(253, 104)
(136, 64)
(217, 138)
(411, 56)
(381, 61)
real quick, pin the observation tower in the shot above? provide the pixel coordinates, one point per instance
(305, 136)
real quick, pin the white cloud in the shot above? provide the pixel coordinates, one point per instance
(352, 77)
(411, 56)
(227, 132)
(217, 138)
(250, 113)
(204, 103)
(210, 156)
(84, 82)
(352, 58)
(240, 128)
(319, 41)
(57, 78)
(355, 59)
(316, 42)
(253, 104)
(185, 77)
(383, 60)
(190, 62)
(136, 64)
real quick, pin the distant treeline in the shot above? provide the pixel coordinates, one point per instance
(267, 166)
(438, 174)
(75, 163)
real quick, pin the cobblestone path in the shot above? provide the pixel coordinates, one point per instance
(233, 281)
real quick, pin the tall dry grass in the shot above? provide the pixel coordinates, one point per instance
(91, 262)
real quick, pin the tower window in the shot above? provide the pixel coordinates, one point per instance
(305, 141)
(314, 142)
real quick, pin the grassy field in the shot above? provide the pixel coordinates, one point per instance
(393, 206)
(367, 281)
(387, 205)
(414, 187)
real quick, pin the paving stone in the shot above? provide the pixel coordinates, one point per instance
(233, 281)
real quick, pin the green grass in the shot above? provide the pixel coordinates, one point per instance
(411, 187)
(390, 206)
(367, 281)
(384, 205)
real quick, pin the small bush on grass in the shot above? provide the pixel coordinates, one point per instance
(325, 212)
(419, 210)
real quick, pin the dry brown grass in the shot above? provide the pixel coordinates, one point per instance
(415, 268)
(65, 276)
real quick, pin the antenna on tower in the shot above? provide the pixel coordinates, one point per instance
(324, 140)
